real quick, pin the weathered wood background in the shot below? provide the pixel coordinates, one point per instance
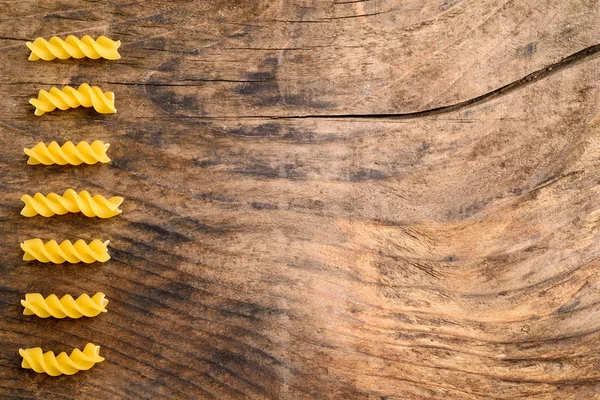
(384, 199)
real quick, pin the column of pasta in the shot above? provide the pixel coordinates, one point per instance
(71, 201)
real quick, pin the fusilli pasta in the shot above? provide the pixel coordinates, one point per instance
(71, 202)
(69, 97)
(68, 153)
(72, 46)
(80, 251)
(35, 359)
(66, 306)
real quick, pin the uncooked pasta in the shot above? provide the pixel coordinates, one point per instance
(69, 97)
(35, 359)
(72, 46)
(71, 202)
(68, 153)
(66, 306)
(52, 252)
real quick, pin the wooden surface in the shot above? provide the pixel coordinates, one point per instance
(384, 199)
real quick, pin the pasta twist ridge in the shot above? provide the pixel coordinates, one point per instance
(71, 201)
(35, 359)
(72, 46)
(68, 153)
(69, 97)
(80, 251)
(66, 306)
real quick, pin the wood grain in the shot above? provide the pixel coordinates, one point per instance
(379, 199)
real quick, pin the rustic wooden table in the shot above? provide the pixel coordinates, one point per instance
(379, 199)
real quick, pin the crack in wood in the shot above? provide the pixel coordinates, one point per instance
(529, 79)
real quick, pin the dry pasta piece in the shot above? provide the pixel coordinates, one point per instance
(72, 46)
(80, 251)
(69, 97)
(66, 306)
(71, 202)
(68, 153)
(35, 359)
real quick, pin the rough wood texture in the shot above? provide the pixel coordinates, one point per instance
(384, 199)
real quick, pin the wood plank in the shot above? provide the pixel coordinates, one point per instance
(338, 200)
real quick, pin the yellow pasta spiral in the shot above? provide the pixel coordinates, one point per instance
(66, 306)
(71, 202)
(56, 253)
(47, 50)
(69, 97)
(40, 362)
(68, 153)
